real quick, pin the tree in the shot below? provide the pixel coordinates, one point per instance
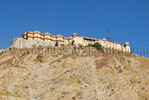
(56, 44)
(97, 46)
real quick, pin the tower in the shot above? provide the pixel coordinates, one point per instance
(109, 37)
(127, 47)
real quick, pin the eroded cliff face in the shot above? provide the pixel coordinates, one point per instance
(28, 76)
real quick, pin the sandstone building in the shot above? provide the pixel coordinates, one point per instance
(30, 39)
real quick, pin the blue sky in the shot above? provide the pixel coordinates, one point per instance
(128, 20)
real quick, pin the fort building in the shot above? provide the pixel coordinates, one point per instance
(31, 39)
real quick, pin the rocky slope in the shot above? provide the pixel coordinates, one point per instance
(102, 76)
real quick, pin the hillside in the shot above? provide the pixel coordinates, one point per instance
(26, 75)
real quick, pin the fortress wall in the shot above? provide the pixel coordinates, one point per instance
(119, 47)
(63, 43)
(41, 40)
(123, 49)
(78, 40)
(22, 43)
(1, 50)
(18, 43)
(104, 43)
(112, 45)
(85, 42)
(128, 49)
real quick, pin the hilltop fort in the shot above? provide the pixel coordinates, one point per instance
(31, 39)
(71, 72)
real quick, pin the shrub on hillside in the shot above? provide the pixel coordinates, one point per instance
(56, 44)
(97, 46)
(90, 45)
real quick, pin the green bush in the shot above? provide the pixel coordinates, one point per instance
(97, 46)
(56, 44)
(90, 45)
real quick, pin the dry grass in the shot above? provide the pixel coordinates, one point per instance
(129, 62)
(74, 80)
(144, 62)
(43, 58)
(131, 69)
(145, 96)
(110, 72)
(7, 94)
(134, 80)
(102, 62)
